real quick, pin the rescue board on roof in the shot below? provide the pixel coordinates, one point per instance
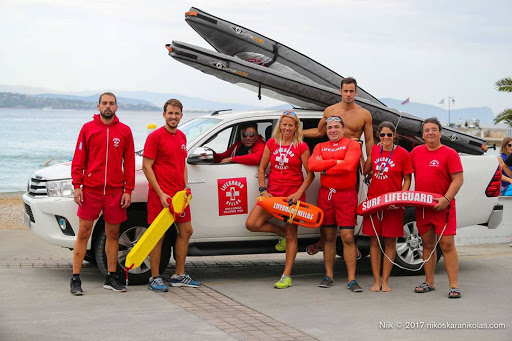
(399, 199)
(269, 68)
(235, 40)
(157, 229)
(301, 213)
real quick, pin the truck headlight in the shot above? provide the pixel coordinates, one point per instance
(60, 188)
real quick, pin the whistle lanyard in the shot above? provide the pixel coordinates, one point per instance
(281, 156)
(381, 171)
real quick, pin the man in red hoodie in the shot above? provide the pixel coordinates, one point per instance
(247, 151)
(337, 160)
(103, 172)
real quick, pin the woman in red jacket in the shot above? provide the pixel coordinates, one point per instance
(392, 169)
(287, 155)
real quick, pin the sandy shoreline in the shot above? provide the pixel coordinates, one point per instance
(11, 211)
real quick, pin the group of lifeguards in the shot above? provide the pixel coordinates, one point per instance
(437, 169)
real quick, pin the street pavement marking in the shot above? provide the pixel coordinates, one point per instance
(232, 317)
(485, 255)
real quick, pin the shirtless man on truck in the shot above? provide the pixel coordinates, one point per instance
(357, 120)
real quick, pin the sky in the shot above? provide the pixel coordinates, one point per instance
(424, 50)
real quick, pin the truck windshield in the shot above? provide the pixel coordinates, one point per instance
(197, 126)
(193, 128)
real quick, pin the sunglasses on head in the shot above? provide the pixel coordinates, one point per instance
(384, 134)
(333, 118)
(288, 112)
(248, 134)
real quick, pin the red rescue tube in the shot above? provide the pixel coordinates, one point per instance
(307, 215)
(400, 198)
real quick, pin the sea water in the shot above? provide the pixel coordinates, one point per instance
(32, 138)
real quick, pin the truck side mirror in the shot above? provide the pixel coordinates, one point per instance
(201, 156)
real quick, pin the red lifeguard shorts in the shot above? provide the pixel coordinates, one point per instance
(426, 218)
(388, 223)
(284, 191)
(155, 207)
(339, 207)
(93, 204)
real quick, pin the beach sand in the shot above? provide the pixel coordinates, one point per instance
(11, 211)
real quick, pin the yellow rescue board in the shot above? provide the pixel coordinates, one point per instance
(156, 230)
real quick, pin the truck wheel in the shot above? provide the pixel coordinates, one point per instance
(130, 232)
(363, 250)
(409, 249)
(90, 257)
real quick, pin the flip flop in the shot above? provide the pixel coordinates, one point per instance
(454, 293)
(313, 249)
(423, 287)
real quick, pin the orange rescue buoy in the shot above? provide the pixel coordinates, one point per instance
(301, 213)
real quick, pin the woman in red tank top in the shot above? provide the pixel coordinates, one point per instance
(287, 154)
(392, 169)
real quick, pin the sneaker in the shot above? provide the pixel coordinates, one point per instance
(281, 244)
(113, 282)
(283, 283)
(354, 287)
(156, 284)
(327, 282)
(183, 281)
(76, 286)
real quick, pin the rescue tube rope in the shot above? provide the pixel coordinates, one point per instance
(293, 213)
(392, 262)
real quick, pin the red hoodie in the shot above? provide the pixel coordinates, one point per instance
(104, 160)
(252, 158)
(333, 174)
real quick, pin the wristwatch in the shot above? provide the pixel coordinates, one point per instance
(262, 189)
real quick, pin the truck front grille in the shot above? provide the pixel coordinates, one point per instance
(37, 187)
(28, 210)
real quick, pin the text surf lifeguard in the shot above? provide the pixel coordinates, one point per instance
(405, 198)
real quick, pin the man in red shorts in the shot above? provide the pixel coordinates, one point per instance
(438, 169)
(103, 172)
(337, 160)
(164, 165)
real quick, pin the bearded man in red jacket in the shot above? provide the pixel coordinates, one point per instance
(103, 172)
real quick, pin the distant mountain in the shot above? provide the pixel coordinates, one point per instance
(130, 97)
(94, 99)
(21, 101)
(155, 101)
(484, 114)
(189, 103)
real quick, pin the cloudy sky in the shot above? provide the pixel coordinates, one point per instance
(425, 50)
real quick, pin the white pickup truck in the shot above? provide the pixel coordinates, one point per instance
(223, 194)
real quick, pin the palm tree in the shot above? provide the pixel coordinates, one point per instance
(504, 85)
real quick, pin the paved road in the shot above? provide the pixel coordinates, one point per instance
(239, 303)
